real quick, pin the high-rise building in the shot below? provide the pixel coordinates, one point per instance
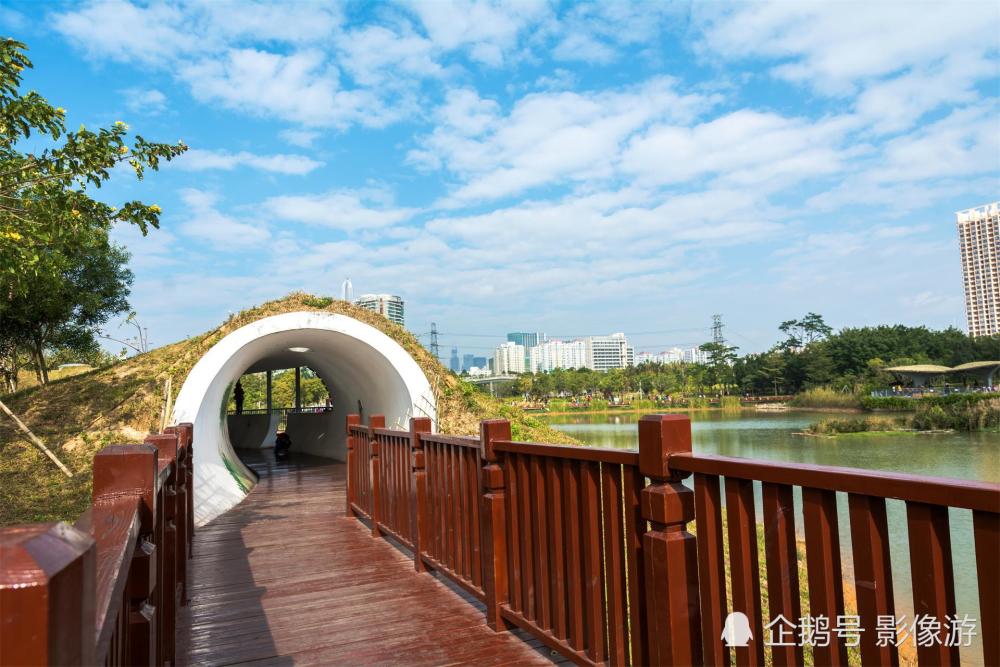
(480, 362)
(468, 361)
(553, 354)
(979, 239)
(607, 352)
(455, 365)
(527, 340)
(347, 290)
(508, 358)
(389, 305)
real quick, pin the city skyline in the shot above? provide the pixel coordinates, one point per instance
(563, 165)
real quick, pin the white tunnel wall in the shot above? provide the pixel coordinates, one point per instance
(356, 362)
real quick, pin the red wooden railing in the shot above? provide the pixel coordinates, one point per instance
(106, 590)
(451, 543)
(589, 549)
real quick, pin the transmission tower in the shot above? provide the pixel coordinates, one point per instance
(435, 348)
(717, 330)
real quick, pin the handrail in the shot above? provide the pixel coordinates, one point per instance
(456, 440)
(598, 454)
(965, 494)
(109, 586)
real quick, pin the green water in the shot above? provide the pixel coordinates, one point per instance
(760, 435)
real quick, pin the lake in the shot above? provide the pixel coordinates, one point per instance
(764, 435)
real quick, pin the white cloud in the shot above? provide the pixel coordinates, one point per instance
(345, 210)
(196, 159)
(598, 32)
(301, 87)
(546, 138)
(147, 101)
(378, 56)
(833, 46)
(300, 138)
(744, 148)
(205, 222)
(122, 31)
(490, 29)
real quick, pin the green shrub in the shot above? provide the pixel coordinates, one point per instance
(887, 403)
(856, 425)
(558, 404)
(598, 404)
(644, 404)
(317, 301)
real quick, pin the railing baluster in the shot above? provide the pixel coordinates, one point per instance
(574, 549)
(872, 575)
(513, 484)
(540, 538)
(527, 539)
(986, 526)
(634, 528)
(745, 569)
(782, 568)
(711, 567)
(932, 575)
(826, 583)
(593, 581)
(477, 488)
(614, 564)
(556, 520)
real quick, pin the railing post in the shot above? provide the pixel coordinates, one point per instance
(374, 422)
(418, 501)
(132, 470)
(494, 522)
(669, 551)
(170, 549)
(47, 591)
(352, 420)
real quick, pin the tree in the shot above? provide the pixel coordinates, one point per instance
(53, 233)
(720, 362)
(45, 197)
(79, 287)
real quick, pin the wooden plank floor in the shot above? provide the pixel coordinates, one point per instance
(285, 578)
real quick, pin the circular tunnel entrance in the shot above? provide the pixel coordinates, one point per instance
(358, 363)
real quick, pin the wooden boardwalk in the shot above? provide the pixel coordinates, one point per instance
(285, 578)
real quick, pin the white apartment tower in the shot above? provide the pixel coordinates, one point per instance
(389, 305)
(554, 354)
(607, 352)
(508, 358)
(979, 239)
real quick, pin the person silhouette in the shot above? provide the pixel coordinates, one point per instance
(238, 395)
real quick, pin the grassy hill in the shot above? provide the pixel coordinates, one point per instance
(76, 416)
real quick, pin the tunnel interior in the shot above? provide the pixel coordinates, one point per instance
(362, 367)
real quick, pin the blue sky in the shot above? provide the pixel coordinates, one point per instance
(568, 168)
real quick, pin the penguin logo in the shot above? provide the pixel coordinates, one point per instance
(736, 631)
